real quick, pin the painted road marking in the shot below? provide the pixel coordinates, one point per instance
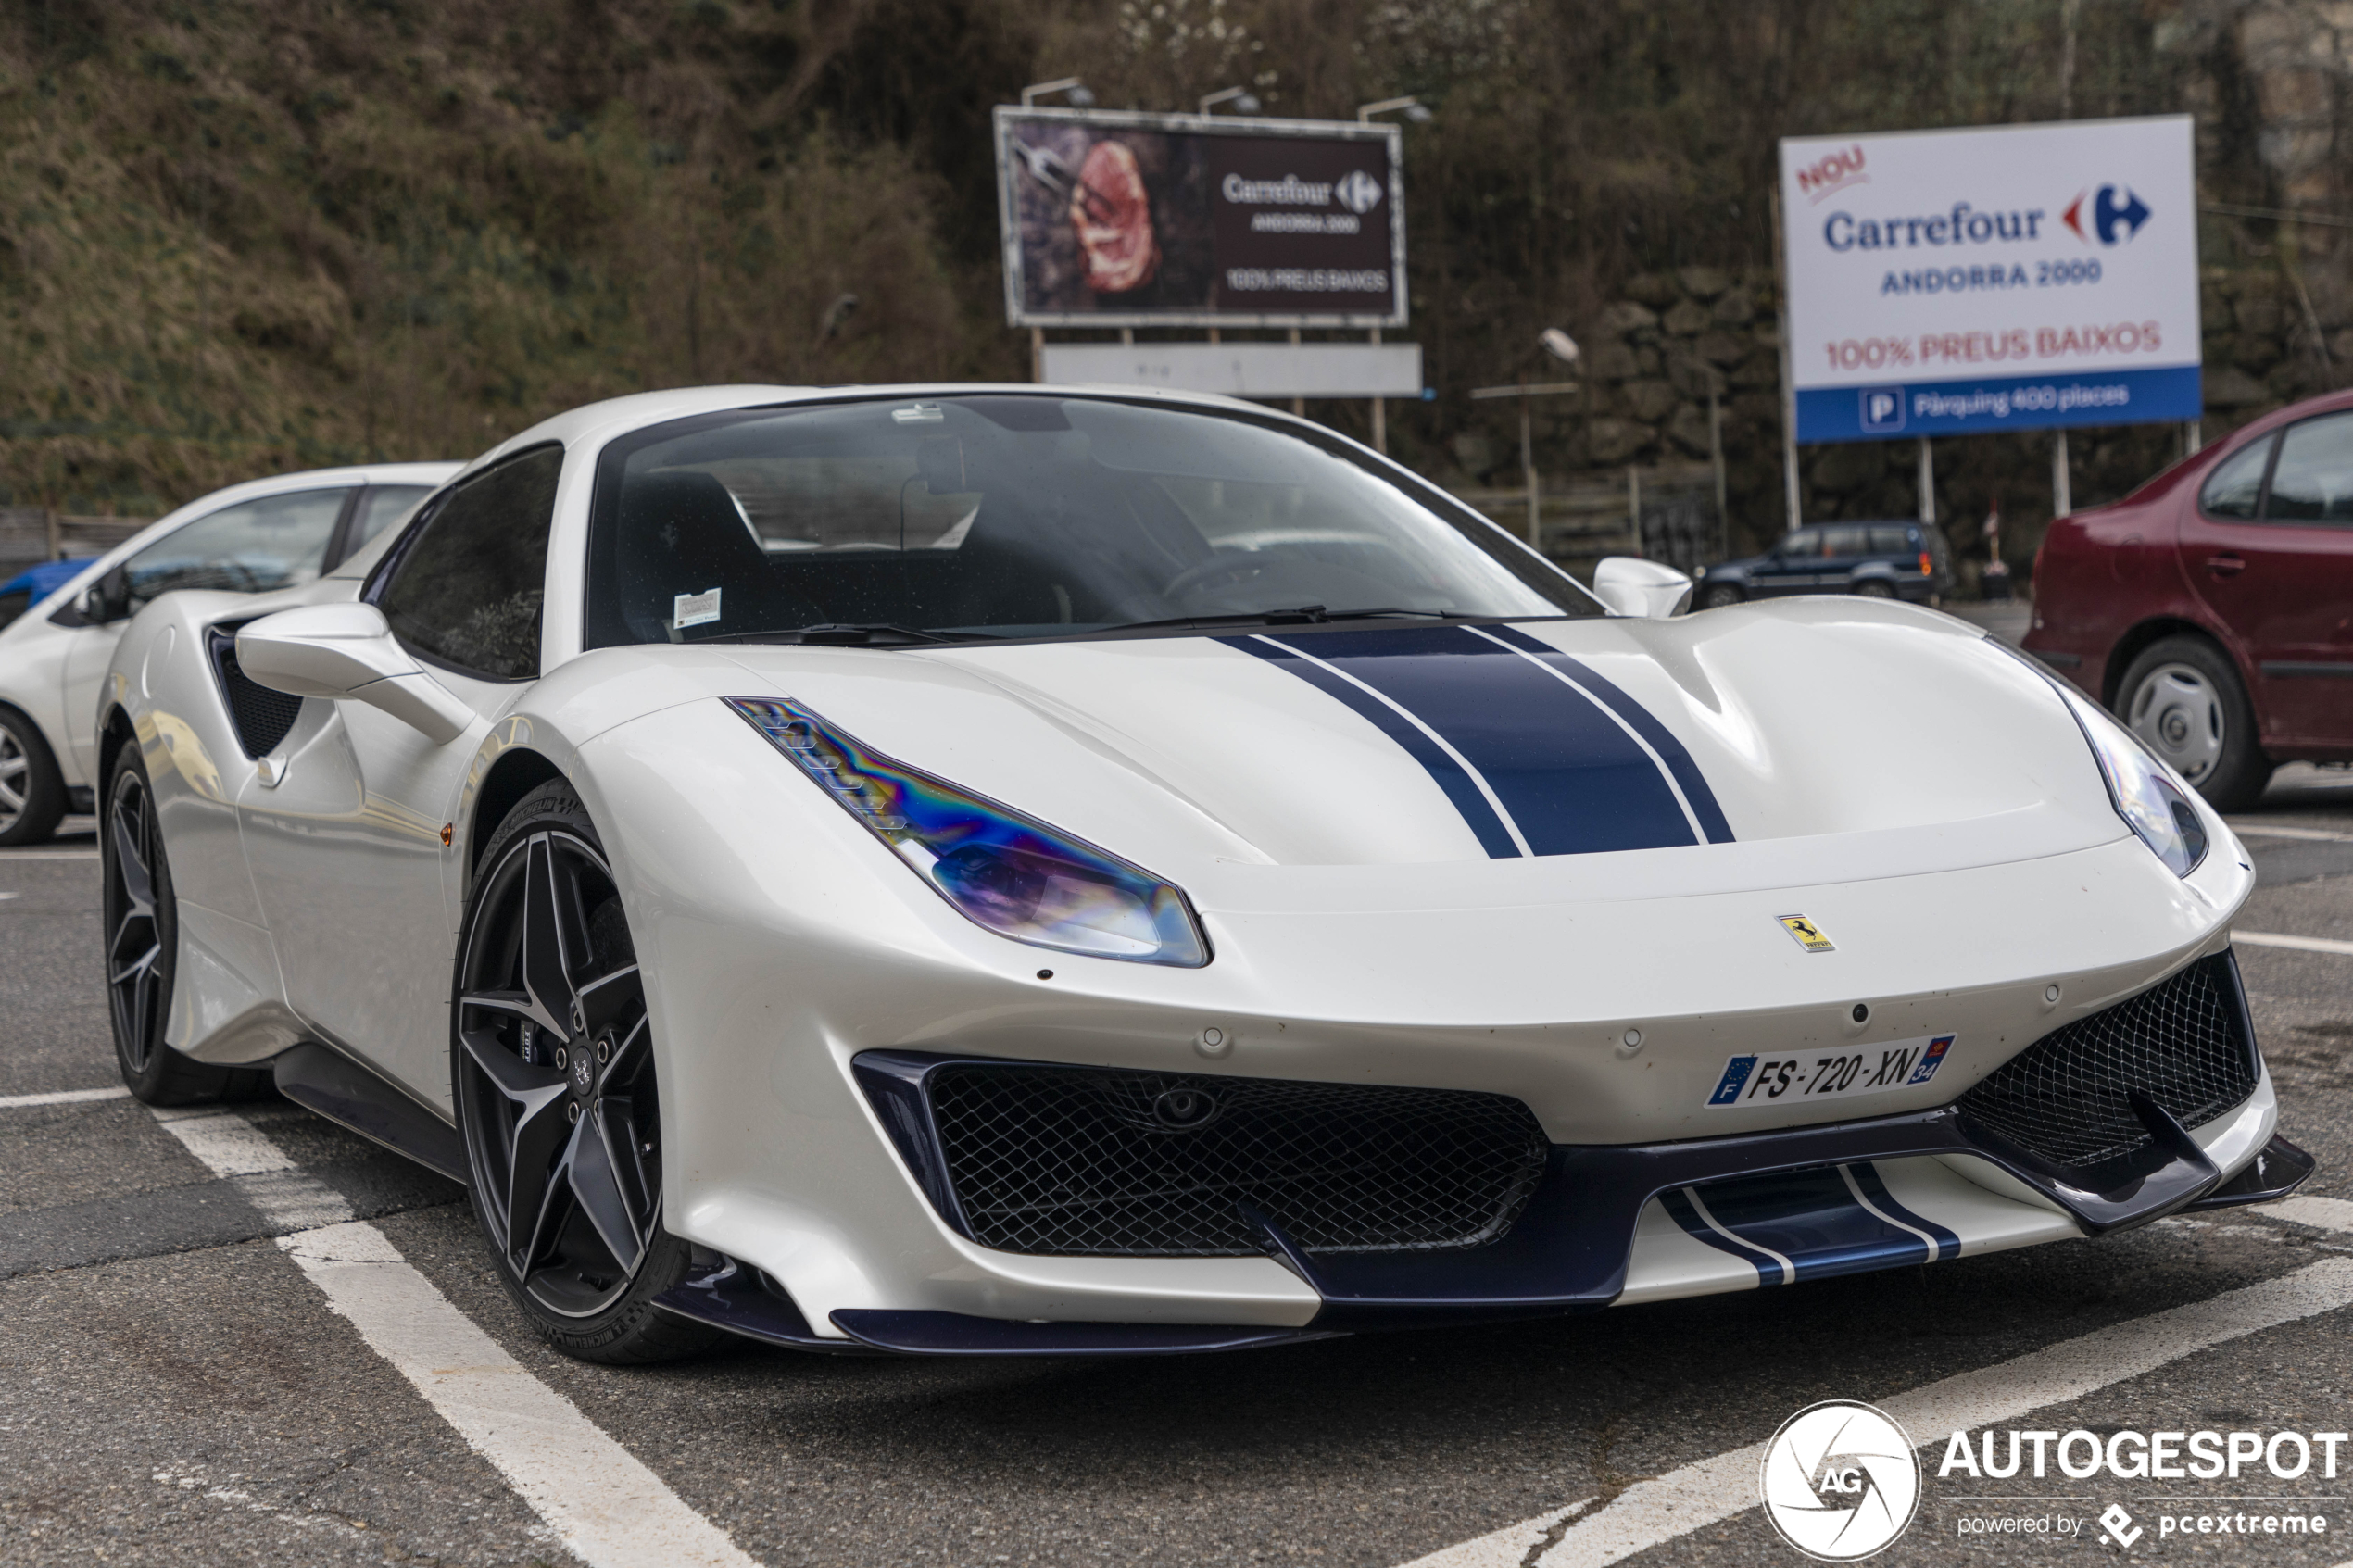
(48, 854)
(607, 1508)
(2321, 1213)
(1651, 1512)
(2261, 830)
(63, 1097)
(2301, 944)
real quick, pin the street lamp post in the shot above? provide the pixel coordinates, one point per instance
(1419, 114)
(1073, 89)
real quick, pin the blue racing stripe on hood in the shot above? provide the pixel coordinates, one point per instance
(1641, 720)
(1448, 775)
(1564, 770)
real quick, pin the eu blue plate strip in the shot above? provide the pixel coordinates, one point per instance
(1443, 770)
(1643, 722)
(1571, 779)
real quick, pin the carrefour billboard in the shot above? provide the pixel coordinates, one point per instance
(1944, 282)
(1115, 218)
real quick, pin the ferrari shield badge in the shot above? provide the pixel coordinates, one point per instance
(1807, 935)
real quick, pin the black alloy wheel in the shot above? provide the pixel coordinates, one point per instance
(1875, 588)
(32, 793)
(142, 939)
(1718, 596)
(552, 1058)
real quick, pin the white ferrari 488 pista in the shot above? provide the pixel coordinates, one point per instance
(1013, 870)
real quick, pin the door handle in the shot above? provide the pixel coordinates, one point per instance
(2226, 564)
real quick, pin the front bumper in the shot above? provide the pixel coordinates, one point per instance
(1611, 1224)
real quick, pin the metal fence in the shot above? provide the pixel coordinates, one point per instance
(31, 534)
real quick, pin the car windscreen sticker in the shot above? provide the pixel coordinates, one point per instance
(693, 609)
(1530, 754)
(1842, 1072)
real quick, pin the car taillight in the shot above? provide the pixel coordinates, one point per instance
(1923, 563)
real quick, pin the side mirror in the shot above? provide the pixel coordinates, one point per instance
(1630, 586)
(108, 600)
(349, 651)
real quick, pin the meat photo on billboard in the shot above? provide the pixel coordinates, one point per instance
(1112, 220)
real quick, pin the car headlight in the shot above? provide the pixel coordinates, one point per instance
(2153, 803)
(1001, 869)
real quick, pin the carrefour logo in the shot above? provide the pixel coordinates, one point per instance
(2109, 214)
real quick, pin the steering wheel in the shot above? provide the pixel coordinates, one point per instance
(1223, 570)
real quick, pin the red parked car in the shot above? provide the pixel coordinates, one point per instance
(2212, 608)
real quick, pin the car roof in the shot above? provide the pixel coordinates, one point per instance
(617, 414)
(427, 474)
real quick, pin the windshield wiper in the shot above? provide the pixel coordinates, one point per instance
(1305, 615)
(844, 634)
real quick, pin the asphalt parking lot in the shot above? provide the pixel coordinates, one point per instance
(185, 1377)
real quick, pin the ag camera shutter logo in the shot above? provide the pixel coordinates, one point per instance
(1840, 1481)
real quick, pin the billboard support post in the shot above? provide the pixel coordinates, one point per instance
(1380, 413)
(2062, 498)
(1789, 388)
(1927, 484)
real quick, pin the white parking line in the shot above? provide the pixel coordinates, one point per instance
(1651, 1512)
(2264, 830)
(2301, 944)
(607, 1508)
(63, 1097)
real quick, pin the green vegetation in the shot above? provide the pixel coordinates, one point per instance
(238, 236)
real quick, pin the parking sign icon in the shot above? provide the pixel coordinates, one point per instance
(1882, 408)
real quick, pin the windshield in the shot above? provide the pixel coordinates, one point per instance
(1013, 516)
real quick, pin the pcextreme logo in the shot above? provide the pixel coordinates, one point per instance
(1840, 1481)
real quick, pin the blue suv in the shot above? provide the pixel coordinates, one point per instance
(1886, 561)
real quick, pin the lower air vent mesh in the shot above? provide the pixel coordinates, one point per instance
(1082, 1161)
(263, 717)
(2064, 1097)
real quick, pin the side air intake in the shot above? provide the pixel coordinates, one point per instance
(263, 718)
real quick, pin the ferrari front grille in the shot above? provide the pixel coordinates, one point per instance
(1100, 1162)
(262, 717)
(2064, 1097)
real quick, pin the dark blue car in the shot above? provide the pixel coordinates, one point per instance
(1887, 561)
(31, 586)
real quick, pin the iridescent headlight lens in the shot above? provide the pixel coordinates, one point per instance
(2152, 804)
(1001, 869)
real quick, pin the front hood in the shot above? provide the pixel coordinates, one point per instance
(1872, 737)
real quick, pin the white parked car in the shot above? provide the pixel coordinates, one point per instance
(1005, 869)
(265, 534)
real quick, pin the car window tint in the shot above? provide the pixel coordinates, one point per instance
(1842, 541)
(14, 603)
(1891, 541)
(276, 542)
(2236, 486)
(1803, 542)
(466, 589)
(379, 507)
(2313, 480)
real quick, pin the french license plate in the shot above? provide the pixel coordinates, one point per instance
(1787, 1077)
